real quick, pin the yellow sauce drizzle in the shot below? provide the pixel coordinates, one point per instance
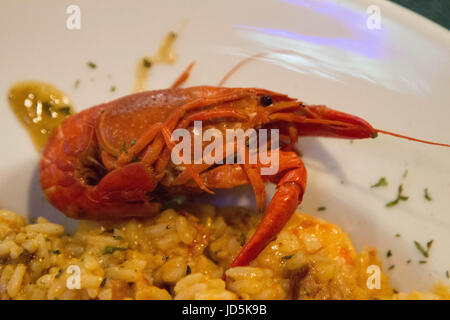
(40, 107)
(165, 54)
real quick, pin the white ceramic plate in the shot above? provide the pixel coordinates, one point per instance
(397, 78)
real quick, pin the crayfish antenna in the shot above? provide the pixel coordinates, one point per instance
(411, 138)
(183, 77)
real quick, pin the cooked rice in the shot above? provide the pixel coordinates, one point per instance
(181, 255)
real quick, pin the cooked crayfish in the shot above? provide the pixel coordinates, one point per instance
(113, 160)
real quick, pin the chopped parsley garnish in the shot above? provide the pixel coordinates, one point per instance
(111, 250)
(65, 110)
(133, 142)
(124, 147)
(91, 65)
(405, 174)
(58, 274)
(397, 235)
(56, 252)
(177, 200)
(118, 238)
(287, 257)
(77, 83)
(113, 88)
(389, 253)
(447, 274)
(381, 183)
(135, 158)
(321, 208)
(427, 195)
(400, 197)
(422, 250)
(392, 267)
(146, 62)
(422, 261)
(243, 239)
(409, 261)
(102, 284)
(188, 270)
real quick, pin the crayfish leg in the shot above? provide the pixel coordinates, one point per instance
(283, 204)
(130, 183)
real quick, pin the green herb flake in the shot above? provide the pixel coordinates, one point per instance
(91, 65)
(66, 110)
(392, 203)
(102, 284)
(56, 252)
(113, 89)
(391, 267)
(422, 261)
(188, 270)
(447, 274)
(77, 83)
(381, 183)
(422, 249)
(111, 250)
(397, 235)
(400, 197)
(118, 238)
(409, 261)
(321, 208)
(177, 200)
(389, 253)
(243, 239)
(135, 158)
(133, 142)
(287, 257)
(59, 274)
(124, 147)
(427, 195)
(405, 174)
(146, 62)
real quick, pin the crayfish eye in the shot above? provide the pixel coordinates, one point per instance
(266, 100)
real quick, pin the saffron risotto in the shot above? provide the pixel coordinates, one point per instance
(182, 254)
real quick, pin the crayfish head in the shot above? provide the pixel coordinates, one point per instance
(279, 111)
(270, 102)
